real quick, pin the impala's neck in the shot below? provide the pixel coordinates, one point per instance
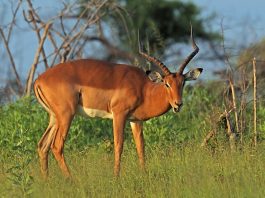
(156, 101)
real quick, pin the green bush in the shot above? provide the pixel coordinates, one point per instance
(22, 124)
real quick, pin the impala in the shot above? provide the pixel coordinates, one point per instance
(102, 89)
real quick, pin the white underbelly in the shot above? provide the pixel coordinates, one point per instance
(93, 112)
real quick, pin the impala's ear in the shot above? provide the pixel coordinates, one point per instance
(193, 74)
(154, 76)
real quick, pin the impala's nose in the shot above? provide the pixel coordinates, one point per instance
(177, 107)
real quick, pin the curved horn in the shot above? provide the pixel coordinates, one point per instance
(192, 54)
(155, 61)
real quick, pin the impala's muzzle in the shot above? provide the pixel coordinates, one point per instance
(177, 107)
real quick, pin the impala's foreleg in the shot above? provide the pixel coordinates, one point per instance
(118, 133)
(137, 130)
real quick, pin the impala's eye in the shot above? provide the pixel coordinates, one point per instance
(167, 85)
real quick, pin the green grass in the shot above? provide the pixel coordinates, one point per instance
(189, 171)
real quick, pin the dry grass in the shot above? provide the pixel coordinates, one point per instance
(189, 171)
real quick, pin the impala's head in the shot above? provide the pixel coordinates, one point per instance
(174, 82)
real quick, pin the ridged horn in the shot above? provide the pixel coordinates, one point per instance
(192, 54)
(155, 61)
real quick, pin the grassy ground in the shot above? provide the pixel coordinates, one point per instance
(188, 171)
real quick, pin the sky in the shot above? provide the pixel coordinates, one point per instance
(243, 22)
(239, 17)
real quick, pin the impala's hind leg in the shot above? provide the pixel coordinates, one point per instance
(44, 145)
(62, 111)
(58, 143)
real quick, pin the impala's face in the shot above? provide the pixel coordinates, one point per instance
(174, 84)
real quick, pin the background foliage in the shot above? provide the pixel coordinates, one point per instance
(151, 20)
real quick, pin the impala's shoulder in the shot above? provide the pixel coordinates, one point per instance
(131, 67)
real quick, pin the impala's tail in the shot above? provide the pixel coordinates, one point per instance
(40, 97)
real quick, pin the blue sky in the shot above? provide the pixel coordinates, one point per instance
(237, 15)
(243, 22)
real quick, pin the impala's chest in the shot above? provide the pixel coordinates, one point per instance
(88, 112)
